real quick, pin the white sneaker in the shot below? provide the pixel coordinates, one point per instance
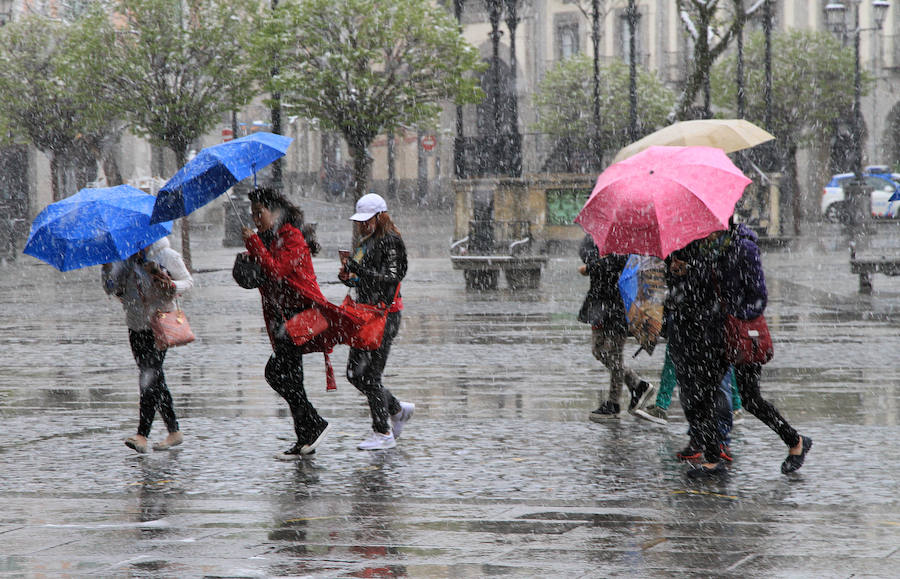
(378, 441)
(398, 421)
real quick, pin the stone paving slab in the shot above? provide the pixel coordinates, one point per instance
(499, 473)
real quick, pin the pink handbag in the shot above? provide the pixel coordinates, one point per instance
(171, 329)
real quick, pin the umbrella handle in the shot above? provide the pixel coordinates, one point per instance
(236, 212)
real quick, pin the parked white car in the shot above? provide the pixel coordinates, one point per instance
(883, 184)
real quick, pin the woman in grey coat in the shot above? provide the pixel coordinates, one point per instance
(145, 283)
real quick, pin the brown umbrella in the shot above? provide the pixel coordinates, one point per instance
(726, 134)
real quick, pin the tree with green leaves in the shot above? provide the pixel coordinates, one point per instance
(812, 87)
(564, 104)
(367, 67)
(710, 26)
(46, 97)
(175, 67)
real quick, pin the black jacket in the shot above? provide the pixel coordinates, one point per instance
(380, 269)
(603, 304)
(695, 321)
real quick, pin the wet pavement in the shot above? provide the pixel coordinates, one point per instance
(499, 472)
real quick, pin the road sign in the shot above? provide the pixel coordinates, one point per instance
(429, 142)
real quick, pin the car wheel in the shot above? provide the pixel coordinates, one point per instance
(836, 213)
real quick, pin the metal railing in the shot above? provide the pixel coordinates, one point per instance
(489, 237)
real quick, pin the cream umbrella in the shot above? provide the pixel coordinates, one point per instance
(726, 134)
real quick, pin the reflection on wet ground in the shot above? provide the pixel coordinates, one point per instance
(499, 473)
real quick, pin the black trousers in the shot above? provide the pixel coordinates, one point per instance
(155, 393)
(284, 373)
(699, 371)
(755, 404)
(364, 371)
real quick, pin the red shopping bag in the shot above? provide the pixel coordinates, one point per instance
(748, 341)
(369, 331)
(306, 325)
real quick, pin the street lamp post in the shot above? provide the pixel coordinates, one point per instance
(595, 40)
(513, 140)
(767, 31)
(835, 18)
(458, 146)
(495, 10)
(740, 62)
(632, 15)
(275, 112)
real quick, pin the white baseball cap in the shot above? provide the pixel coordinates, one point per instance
(368, 206)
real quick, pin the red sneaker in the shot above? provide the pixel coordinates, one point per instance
(688, 453)
(725, 453)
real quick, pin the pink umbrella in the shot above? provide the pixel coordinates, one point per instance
(662, 199)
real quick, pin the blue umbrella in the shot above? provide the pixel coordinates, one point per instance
(643, 290)
(215, 170)
(628, 281)
(94, 226)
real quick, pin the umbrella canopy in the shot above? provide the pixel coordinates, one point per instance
(215, 170)
(94, 226)
(726, 134)
(662, 199)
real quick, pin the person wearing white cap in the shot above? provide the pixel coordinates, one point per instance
(375, 268)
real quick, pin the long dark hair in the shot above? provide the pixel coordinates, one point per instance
(384, 225)
(272, 199)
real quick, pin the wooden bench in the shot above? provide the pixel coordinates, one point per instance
(866, 266)
(482, 272)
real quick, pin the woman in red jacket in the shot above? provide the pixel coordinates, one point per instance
(288, 285)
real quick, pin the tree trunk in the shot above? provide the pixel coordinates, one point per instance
(107, 159)
(704, 56)
(111, 170)
(361, 162)
(85, 166)
(181, 159)
(54, 176)
(791, 174)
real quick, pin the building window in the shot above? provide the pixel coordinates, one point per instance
(74, 9)
(5, 11)
(567, 40)
(625, 37)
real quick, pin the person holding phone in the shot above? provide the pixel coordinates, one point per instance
(375, 268)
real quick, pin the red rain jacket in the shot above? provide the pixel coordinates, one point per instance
(291, 286)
